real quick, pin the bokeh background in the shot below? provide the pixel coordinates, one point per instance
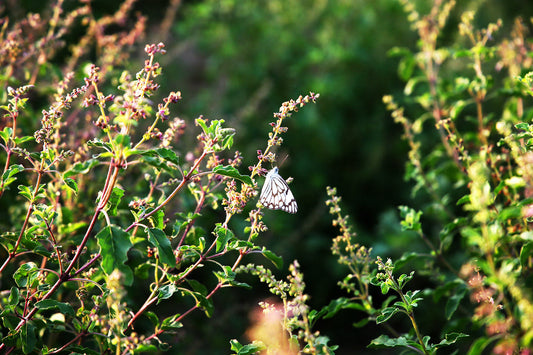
(238, 60)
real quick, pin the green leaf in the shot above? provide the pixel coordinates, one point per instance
(480, 344)
(26, 274)
(64, 308)
(409, 257)
(20, 140)
(114, 245)
(81, 350)
(404, 278)
(27, 337)
(451, 338)
(522, 126)
(276, 260)
(159, 157)
(100, 144)
(198, 287)
(385, 341)
(171, 323)
(411, 219)
(25, 191)
(463, 200)
(157, 219)
(202, 123)
(153, 318)
(226, 275)
(525, 253)
(123, 140)
(225, 135)
(386, 313)
(248, 349)
(71, 183)
(337, 305)
(159, 239)
(81, 168)
(223, 236)
(510, 213)
(202, 302)
(361, 323)
(232, 172)
(14, 296)
(168, 155)
(166, 292)
(453, 302)
(114, 200)
(8, 177)
(145, 349)
(6, 132)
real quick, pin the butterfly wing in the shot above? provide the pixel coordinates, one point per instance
(276, 194)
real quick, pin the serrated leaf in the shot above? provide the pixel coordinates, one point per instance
(26, 274)
(408, 257)
(276, 260)
(171, 323)
(201, 122)
(166, 292)
(522, 125)
(114, 200)
(14, 296)
(20, 140)
(7, 131)
(385, 341)
(207, 305)
(168, 155)
(451, 338)
(81, 168)
(159, 239)
(411, 219)
(223, 236)
(27, 337)
(8, 177)
(248, 349)
(232, 172)
(226, 275)
(334, 307)
(453, 302)
(123, 140)
(64, 308)
(71, 183)
(114, 245)
(153, 318)
(225, 135)
(100, 144)
(25, 191)
(386, 313)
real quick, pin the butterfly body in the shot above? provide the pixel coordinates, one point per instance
(276, 194)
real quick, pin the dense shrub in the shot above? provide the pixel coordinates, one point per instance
(122, 218)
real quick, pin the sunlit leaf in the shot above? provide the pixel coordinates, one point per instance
(160, 240)
(114, 245)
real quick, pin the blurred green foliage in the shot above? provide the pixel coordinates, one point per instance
(238, 60)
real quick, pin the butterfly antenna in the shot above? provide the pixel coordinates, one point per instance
(283, 161)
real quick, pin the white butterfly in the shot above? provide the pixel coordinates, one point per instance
(276, 194)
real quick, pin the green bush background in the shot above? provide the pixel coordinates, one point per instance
(238, 60)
